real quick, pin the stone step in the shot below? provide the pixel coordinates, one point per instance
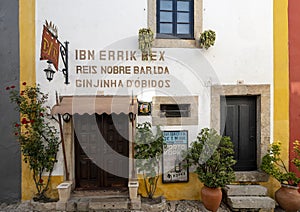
(250, 202)
(108, 204)
(245, 190)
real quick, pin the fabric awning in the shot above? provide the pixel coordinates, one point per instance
(96, 104)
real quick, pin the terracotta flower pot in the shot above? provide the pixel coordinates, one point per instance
(288, 198)
(211, 198)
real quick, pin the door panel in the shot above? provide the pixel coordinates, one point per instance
(114, 129)
(238, 113)
(86, 170)
(97, 139)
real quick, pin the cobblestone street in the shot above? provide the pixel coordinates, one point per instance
(28, 206)
(181, 206)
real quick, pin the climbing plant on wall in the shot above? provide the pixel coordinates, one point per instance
(38, 138)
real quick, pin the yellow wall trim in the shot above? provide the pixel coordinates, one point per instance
(281, 74)
(281, 78)
(27, 41)
(27, 72)
(175, 191)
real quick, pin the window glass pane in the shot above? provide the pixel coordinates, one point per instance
(165, 28)
(183, 6)
(166, 17)
(183, 17)
(183, 29)
(165, 5)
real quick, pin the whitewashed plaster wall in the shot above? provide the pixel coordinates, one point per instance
(243, 49)
(244, 44)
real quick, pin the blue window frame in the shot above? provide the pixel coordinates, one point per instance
(175, 19)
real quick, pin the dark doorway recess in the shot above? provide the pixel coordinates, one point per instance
(238, 119)
(98, 138)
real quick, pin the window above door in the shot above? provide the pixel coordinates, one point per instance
(175, 23)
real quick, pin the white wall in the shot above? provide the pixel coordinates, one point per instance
(243, 49)
(244, 44)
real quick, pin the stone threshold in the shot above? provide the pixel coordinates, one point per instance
(99, 193)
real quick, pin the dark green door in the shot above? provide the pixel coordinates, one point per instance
(238, 119)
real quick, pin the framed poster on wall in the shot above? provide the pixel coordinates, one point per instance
(173, 165)
(144, 108)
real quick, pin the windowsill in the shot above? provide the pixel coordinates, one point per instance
(167, 36)
(183, 121)
(174, 43)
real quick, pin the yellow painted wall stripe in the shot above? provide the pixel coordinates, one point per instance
(281, 75)
(281, 84)
(27, 41)
(27, 72)
(281, 79)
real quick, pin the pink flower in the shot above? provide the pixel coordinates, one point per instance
(17, 125)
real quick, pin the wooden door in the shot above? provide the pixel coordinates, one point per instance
(97, 139)
(114, 129)
(238, 119)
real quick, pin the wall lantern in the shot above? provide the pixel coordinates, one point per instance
(66, 117)
(49, 71)
(131, 116)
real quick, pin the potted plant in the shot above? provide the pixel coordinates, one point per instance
(287, 195)
(146, 38)
(38, 138)
(148, 150)
(212, 156)
(207, 39)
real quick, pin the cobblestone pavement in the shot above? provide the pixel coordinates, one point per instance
(190, 206)
(181, 206)
(184, 206)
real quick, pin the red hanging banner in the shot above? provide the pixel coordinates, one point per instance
(49, 48)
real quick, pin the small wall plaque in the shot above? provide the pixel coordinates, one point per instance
(144, 109)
